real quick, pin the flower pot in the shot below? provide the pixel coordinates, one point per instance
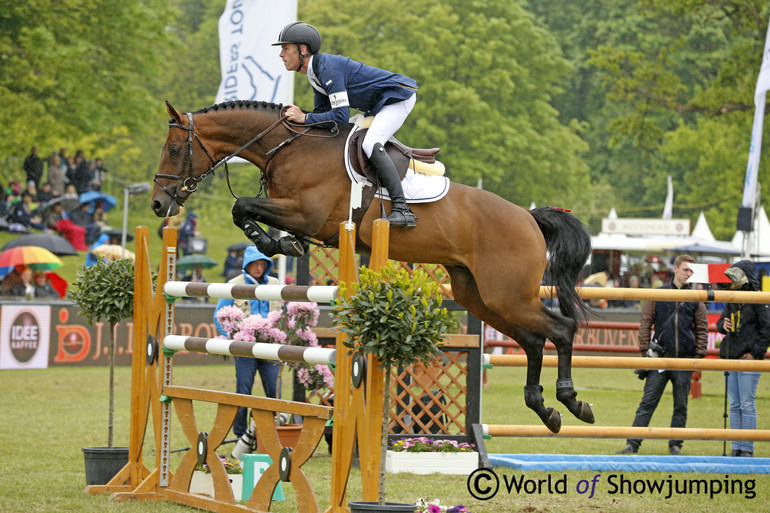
(367, 506)
(288, 435)
(457, 463)
(102, 463)
(203, 484)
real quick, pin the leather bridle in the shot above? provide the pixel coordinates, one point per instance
(189, 184)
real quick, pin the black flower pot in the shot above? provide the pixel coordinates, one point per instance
(367, 506)
(102, 463)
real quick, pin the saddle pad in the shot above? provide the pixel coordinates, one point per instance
(418, 188)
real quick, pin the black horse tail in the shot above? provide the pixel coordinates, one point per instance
(569, 245)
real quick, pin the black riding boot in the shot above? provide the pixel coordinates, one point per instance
(401, 215)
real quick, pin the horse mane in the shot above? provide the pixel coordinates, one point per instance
(241, 104)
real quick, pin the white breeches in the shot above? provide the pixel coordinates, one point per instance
(386, 122)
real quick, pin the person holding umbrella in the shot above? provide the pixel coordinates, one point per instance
(43, 288)
(256, 267)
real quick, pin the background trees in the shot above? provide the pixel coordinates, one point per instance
(581, 105)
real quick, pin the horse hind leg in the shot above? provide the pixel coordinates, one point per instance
(565, 389)
(466, 293)
(533, 345)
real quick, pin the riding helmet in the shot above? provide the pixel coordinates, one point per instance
(302, 34)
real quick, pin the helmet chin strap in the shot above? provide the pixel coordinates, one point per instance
(301, 57)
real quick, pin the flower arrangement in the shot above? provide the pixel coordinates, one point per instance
(425, 444)
(435, 506)
(291, 326)
(231, 466)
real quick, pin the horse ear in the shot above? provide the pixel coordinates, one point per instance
(173, 113)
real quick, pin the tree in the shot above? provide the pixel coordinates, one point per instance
(105, 292)
(487, 73)
(684, 88)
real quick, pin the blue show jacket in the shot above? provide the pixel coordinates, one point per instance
(340, 83)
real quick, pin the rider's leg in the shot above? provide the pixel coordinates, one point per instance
(385, 123)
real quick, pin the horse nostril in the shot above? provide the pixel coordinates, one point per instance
(156, 206)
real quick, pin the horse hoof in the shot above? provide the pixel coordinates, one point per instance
(585, 413)
(553, 422)
(291, 247)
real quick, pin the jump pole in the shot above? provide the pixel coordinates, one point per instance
(666, 433)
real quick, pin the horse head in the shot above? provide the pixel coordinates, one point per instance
(185, 161)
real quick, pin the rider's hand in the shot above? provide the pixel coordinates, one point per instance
(295, 114)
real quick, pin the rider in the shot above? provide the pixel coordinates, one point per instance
(341, 83)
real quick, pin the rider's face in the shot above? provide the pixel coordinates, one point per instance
(290, 56)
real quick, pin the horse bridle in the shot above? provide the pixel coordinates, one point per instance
(190, 183)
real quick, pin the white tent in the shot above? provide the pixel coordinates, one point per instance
(702, 230)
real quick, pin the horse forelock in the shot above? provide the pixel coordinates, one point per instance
(242, 104)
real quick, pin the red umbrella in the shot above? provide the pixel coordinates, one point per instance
(58, 283)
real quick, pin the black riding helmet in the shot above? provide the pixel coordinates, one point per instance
(300, 33)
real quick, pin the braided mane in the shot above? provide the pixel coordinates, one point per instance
(241, 104)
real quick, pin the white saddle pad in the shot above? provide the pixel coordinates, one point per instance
(418, 188)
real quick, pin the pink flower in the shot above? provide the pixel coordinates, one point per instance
(229, 317)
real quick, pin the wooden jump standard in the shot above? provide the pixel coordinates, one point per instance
(357, 410)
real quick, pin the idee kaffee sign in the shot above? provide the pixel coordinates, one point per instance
(40, 335)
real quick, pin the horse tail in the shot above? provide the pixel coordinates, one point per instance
(569, 245)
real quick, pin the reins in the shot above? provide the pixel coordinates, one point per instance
(190, 183)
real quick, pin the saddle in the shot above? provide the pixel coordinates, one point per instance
(420, 160)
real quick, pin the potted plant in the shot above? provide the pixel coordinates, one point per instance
(423, 455)
(203, 484)
(103, 292)
(397, 317)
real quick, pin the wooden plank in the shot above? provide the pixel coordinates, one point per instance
(460, 340)
(259, 403)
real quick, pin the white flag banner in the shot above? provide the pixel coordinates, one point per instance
(755, 149)
(251, 68)
(668, 208)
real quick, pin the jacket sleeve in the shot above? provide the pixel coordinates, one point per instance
(701, 331)
(645, 326)
(762, 342)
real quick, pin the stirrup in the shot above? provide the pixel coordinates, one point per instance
(404, 220)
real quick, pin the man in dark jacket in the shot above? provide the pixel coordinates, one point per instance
(339, 84)
(681, 331)
(747, 336)
(33, 166)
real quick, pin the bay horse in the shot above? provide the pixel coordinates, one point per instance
(494, 251)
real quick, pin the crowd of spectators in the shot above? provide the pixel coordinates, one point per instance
(51, 194)
(48, 201)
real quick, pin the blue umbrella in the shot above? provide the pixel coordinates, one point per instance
(92, 197)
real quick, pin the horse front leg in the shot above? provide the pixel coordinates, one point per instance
(244, 216)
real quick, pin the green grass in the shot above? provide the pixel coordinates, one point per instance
(49, 415)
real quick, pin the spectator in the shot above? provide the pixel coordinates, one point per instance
(91, 258)
(99, 175)
(56, 173)
(256, 267)
(747, 336)
(33, 166)
(681, 331)
(70, 199)
(52, 215)
(233, 264)
(187, 231)
(11, 279)
(24, 288)
(22, 213)
(79, 175)
(45, 194)
(31, 190)
(43, 288)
